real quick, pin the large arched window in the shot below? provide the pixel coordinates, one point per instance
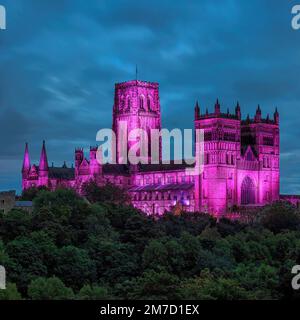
(248, 192)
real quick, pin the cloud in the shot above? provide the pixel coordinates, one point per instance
(59, 61)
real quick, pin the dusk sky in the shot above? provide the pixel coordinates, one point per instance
(60, 59)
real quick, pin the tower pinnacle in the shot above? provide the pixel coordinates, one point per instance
(197, 110)
(26, 161)
(217, 107)
(43, 160)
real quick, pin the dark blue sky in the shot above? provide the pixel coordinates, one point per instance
(59, 61)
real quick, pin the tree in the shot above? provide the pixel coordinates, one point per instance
(16, 223)
(26, 261)
(114, 261)
(164, 254)
(60, 202)
(209, 237)
(74, 266)
(279, 216)
(88, 292)
(49, 289)
(108, 193)
(154, 285)
(31, 193)
(210, 287)
(10, 293)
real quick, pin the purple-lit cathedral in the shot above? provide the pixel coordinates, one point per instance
(241, 160)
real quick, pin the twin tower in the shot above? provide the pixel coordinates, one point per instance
(241, 159)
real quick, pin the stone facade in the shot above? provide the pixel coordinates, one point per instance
(8, 202)
(241, 160)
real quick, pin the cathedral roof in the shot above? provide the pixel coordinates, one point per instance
(163, 187)
(62, 173)
(164, 167)
(120, 169)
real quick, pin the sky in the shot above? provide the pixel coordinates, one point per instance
(60, 59)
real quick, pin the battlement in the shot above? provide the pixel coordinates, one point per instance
(137, 83)
(236, 116)
(253, 121)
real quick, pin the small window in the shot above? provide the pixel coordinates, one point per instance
(141, 102)
(149, 103)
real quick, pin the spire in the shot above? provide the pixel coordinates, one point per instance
(43, 161)
(206, 112)
(217, 107)
(258, 110)
(276, 116)
(136, 72)
(258, 114)
(238, 111)
(26, 161)
(197, 110)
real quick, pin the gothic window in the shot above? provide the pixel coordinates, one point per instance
(141, 102)
(247, 192)
(122, 103)
(268, 141)
(249, 156)
(170, 179)
(232, 159)
(207, 136)
(228, 136)
(149, 103)
(128, 103)
(207, 158)
(227, 158)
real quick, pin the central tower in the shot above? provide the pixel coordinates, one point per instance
(137, 104)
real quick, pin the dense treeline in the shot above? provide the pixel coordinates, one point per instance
(70, 248)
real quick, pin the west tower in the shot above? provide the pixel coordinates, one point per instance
(215, 187)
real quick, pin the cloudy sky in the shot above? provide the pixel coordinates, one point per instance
(59, 60)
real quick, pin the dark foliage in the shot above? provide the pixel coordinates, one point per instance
(69, 248)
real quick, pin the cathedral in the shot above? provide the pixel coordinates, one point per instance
(240, 169)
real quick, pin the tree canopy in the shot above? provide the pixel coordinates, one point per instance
(71, 248)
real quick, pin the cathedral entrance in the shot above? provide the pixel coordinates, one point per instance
(248, 192)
